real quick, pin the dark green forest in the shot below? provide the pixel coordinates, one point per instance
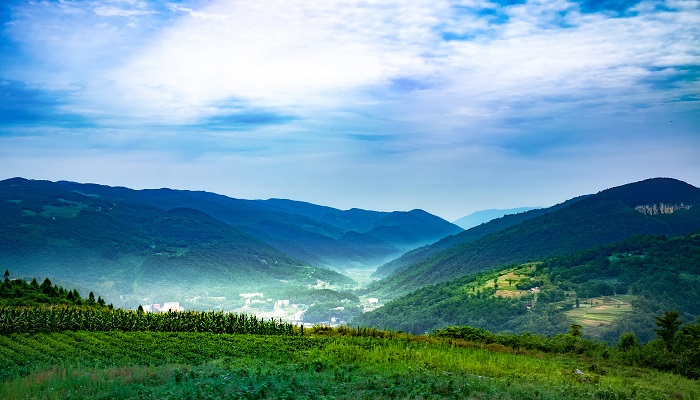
(602, 218)
(656, 273)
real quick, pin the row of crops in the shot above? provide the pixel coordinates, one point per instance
(22, 354)
(49, 320)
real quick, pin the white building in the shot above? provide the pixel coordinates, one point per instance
(171, 306)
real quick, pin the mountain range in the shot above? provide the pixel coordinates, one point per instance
(654, 206)
(318, 235)
(133, 243)
(609, 262)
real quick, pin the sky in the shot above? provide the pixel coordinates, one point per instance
(447, 106)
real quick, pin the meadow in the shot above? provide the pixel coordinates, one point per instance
(324, 364)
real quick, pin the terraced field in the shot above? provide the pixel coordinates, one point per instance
(601, 311)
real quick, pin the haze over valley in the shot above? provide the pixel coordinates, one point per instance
(417, 199)
(309, 264)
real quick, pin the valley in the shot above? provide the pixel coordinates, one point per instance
(588, 278)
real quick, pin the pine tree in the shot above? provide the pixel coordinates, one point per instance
(668, 327)
(47, 287)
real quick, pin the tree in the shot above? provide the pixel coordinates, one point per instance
(668, 327)
(76, 297)
(47, 287)
(628, 340)
(576, 330)
(577, 303)
(7, 275)
(140, 309)
(91, 298)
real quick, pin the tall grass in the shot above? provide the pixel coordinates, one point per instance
(204, 365)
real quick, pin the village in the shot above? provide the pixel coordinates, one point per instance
(256, 303)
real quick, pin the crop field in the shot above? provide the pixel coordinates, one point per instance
(603, 311)
(323, 364)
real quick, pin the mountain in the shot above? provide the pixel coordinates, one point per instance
(312, 233)
(423, 253)
(609, 290)
(654, 206)
(132, 251)
(483, 216)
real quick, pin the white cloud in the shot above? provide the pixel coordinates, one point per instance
(310, 59)
(275, 54)
(385, 105)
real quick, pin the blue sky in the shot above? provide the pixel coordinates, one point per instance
(448, 106)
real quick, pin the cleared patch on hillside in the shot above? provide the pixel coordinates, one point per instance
(600, 311)
(508, 280)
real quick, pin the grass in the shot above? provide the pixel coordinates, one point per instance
(604, 311)
(197, 365)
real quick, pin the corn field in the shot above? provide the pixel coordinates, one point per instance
(51, 320)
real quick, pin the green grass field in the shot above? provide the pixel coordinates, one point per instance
(149, 365)
(603, 311)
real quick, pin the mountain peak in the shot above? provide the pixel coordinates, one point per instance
(653, 191)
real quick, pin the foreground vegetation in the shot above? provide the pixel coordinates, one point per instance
(61, 346)
(327, 363)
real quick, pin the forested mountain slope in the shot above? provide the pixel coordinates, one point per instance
(423, 253)
(312, 233)
(129, 251)
(654, 206)
(609, 290)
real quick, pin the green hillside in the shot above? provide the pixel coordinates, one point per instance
(609, 216)
(608, 290)
(20, 293)
(423, 253)
(135, 253)
(306, 231)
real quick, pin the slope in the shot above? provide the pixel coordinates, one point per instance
(131, 251)
(306, 231)
(425, 252)
(608, 290)
(654, 206)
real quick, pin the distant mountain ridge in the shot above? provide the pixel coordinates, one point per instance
(608, 216)
(309, 232)
(423, 253)
(133, 251)
(480, 217)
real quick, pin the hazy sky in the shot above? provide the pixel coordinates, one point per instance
(448, 106)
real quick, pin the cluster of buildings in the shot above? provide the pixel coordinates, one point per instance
(167, 306)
